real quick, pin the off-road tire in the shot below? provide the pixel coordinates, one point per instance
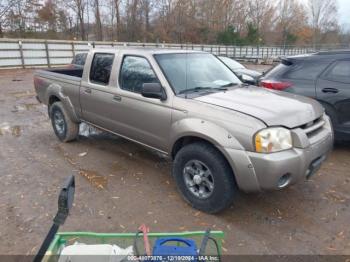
(225, 186)
(70, 130)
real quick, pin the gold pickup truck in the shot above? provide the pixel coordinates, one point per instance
(221, 134)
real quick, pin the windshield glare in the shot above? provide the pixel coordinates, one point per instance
(190, 71)
(231, 63)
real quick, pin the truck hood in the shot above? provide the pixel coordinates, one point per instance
(274, 108)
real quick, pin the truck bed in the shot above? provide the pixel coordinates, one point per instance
(66, 79)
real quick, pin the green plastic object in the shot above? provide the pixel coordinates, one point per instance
(124, 240)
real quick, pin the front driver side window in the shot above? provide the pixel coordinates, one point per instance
(136, 71)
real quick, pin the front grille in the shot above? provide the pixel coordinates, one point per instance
(313, 127)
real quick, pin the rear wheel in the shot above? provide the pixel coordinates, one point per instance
(65, 129)
(204, 177)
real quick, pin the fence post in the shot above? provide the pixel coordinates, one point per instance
(73, 48)
(47, 54)
(21, 52)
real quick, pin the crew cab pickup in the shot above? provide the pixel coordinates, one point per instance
(221, 134)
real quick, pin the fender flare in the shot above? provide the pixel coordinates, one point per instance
(56, 90)
(204, 129)
(225, 142)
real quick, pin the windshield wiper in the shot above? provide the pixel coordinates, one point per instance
(202, 88)
(229, 84)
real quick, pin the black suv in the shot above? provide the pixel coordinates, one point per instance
(324, 76)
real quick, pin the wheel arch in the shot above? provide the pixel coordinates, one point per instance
(190, 130)
(53, 99)
(193, 129)
(54, 94)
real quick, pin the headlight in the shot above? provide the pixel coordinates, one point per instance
(273, 139)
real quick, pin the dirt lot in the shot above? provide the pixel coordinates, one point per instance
(121, 185)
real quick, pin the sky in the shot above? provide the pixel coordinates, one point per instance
(344, 13)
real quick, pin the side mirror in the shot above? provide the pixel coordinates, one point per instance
(153, 90)
(248, 79)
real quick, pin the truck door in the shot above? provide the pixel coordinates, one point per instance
(333, 89)
(145, 120)
(96, 95)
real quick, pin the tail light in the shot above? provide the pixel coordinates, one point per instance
(38, 81)
(275, 85)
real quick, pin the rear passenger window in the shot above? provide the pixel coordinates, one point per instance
(307, 71)
(79, 59)
(277, 70)
(340, 72)
(101, 67)
(136, 71)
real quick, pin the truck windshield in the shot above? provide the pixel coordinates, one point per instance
(195, 72)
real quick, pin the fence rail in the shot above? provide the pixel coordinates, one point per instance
(27, 53)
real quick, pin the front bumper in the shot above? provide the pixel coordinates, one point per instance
(256, 172)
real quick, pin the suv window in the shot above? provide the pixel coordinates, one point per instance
(101, 67)
(277, 70)
(307, 71)
(136, 71)
(79, 59)
(340, 72)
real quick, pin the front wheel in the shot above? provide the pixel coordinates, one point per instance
(65, 129)
(204, 177)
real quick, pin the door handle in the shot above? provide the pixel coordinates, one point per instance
(330, 90)
(87, 90)
(117, 98)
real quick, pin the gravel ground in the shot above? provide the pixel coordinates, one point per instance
(120, 185)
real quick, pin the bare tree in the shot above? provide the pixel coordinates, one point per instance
(323, 17)
(146, 6)
(78, 8)
(117, 4)
(182, 21)
(261, 14)
(48, 16)
(5, 7)
(98, 21)
(164, 20)
(291, 17)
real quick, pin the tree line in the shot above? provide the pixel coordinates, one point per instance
(231, 22)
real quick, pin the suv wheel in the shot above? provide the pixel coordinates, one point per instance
(65, 129)
(204, 177)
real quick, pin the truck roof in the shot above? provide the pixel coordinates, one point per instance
(147, 50)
